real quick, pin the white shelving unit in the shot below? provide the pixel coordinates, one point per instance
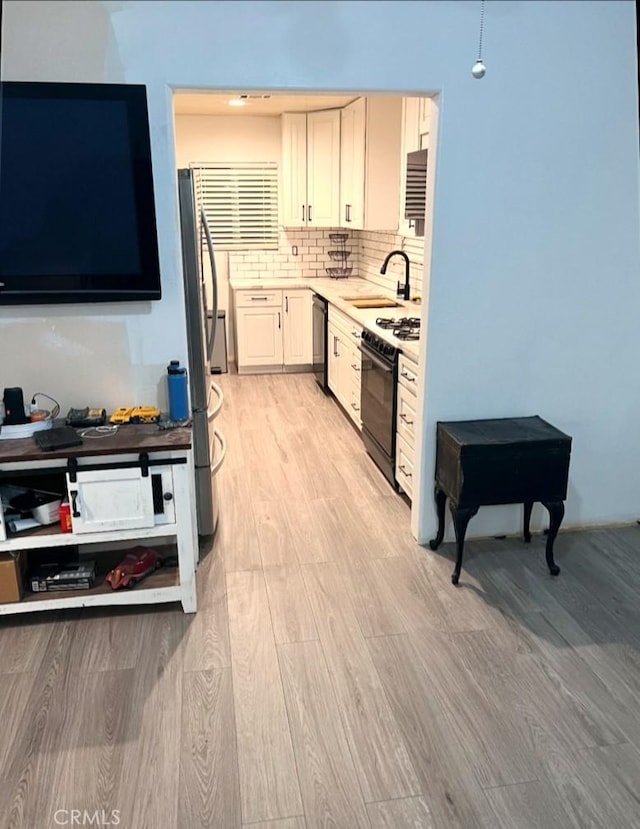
(159, 507)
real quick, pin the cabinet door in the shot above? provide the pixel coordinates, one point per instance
(410, 143)
(259, 335)
(297, 327)
(424, 116)
(293, 174)
(323, 168)
(333, 356)
(110, 499)
(352, 164)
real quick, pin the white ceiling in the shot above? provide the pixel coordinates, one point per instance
(209, 103)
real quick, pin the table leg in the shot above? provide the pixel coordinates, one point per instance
(461, 518)
(556, 514)
(528, 506)
(441, 501)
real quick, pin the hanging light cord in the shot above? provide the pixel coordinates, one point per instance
(481, 29)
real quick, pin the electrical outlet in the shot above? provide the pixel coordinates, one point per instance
(294, 250)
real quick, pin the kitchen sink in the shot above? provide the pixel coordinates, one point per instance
(373, 302)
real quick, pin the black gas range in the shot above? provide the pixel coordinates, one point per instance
(404, 328)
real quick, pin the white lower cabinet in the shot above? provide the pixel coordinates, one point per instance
(259, 334)
(345, 362)
(273, 329)
(297, 327)
(406, 422)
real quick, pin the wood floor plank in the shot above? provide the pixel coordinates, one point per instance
(31, 779)
(514, 668)
(532, 805)
(268, 781)
(98, 730)
(154, 726)
(380, 755)
(313, 529)
(611, 775)
(238, 543)
(14, 694)
(328, 782)
(290, 609)
(392, 595)
(274, 535)
(444, 764)
(407, 813)
(24, 642)
(209, 784)
(286, 823)
(205, 643)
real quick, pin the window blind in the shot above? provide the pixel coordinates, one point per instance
(240, 201)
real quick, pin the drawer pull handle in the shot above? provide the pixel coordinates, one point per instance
(405, 419)
(261, 298)
(355, 367)
(355, 408)
(403, 469)
(408, 377)
(355, 334)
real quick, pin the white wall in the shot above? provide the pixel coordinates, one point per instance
(535, 281)
(227, 138)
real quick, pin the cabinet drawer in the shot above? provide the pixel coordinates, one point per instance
(404, 466)
(350, 328)
(406, 415)
(252, 299)
(408, 373)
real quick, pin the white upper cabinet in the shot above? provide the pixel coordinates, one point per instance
(310, 179)
(352, 164)
(424, 121)
(370, 163)
(293, 179)
(323, 168)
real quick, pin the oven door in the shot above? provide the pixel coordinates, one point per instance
(377, 401)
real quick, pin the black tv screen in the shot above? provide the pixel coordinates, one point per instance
(77, 211)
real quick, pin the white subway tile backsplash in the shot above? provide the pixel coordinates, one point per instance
(368, 250)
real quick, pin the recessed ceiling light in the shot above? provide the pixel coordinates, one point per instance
(237, 102)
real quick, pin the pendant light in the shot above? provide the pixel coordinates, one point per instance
(478, 69)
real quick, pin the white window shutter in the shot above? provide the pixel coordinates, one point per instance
(240, 201)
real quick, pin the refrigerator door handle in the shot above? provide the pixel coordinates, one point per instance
(223, 451)
(214, 286)
(213, 413)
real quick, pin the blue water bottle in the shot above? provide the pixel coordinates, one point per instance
(178, 395)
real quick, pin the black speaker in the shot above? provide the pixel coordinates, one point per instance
(14, 407)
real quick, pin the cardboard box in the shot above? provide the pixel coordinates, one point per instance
(12, 570)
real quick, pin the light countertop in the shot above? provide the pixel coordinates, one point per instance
(335, 291)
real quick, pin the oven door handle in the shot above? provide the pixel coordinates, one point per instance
(376, 360)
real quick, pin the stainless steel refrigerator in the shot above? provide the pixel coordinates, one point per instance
(205, 395)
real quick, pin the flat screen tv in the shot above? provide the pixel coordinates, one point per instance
(77, 212)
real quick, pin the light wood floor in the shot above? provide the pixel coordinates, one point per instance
(333, 676)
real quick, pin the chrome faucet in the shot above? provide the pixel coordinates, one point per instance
(403, 290)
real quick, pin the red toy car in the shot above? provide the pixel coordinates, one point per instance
(136, 564)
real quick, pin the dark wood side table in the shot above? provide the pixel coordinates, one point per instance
(500, 461)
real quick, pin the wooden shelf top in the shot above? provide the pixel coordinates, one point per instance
(128, 439)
